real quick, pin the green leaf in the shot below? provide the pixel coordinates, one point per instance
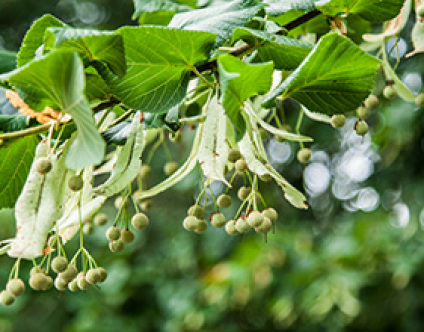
(10, 123)
(278, 7)
(286, 53)
(371, 10)
(94, 45)
(335, 77)
(221, 19)
(156, 18)
(96, 88)
(240, 81)
(159, 63)
(7, 61)
(15, 161)
(149, 6)
(34, 38)
(58, 81)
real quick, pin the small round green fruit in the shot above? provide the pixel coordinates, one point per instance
(92, 276)
(304, 155)
(371, 102)
(241, 165)
(196, 210)
(242, 226)
(82, 282)
(230, 227)
(88, 228)
(15, 286)
(75, 183)
(389, 92)
(419, 99)
(170, 168)
(363, 112)
(43, 165)
(145, 172)
(243, 193)
(255, 218)
(61, 284)
(6, 298)
(218, 220)
(72, 286)
(69, 274)
(113, 233)
(139, 221)
(201, 227)
(121, 203)
(361, 127)
(264, 227)
(127, 236)
(338, 120)
(190, 223)
(59, 264)
(100, 219)
(36, 269)
(116, 246)
(233, 155)
(224, 201)
(102, 273)
(146, 204)
(270, 213)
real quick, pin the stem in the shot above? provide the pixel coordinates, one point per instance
(198, 74)
(45, 127)
(302, 19)
(298, 124)
(120, 119)
(26, 132)
(246, 48)
(193, 119)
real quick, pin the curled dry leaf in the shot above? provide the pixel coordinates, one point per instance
(45, 116)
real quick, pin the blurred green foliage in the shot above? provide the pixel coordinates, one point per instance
(326, 269)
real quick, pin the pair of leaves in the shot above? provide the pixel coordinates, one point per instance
(58, 80)
(334, 78)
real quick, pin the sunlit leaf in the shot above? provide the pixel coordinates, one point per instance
(335, 77)
(57, 80)
(159, 62)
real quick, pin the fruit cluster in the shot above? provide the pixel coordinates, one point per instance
(67, 278)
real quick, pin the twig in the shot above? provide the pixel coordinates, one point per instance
(246, 48)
